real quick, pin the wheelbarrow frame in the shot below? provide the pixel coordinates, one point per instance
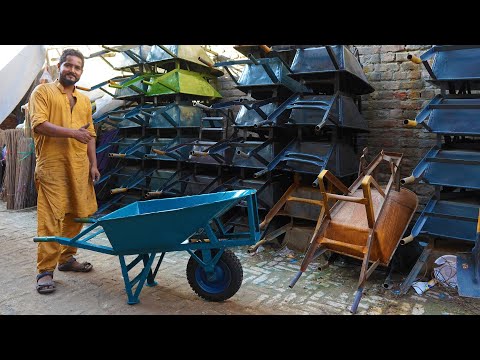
(205, 239)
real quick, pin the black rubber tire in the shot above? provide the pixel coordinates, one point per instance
(230, 272)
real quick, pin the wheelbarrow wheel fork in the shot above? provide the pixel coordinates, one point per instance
(219, 284)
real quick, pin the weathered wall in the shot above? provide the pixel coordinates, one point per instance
(401, 91)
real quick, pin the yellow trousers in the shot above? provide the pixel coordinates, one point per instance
(49, 254)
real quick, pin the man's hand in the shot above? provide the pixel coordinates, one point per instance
(94, 174)
(82, 134)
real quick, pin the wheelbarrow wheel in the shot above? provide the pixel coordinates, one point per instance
(228, 277)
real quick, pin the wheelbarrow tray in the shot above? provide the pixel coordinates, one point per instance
(162, 225)
(450, 167)
(350, 224)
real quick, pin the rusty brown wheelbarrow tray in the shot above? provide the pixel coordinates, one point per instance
(365, 222)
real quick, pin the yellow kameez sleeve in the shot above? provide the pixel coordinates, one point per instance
(38, 107)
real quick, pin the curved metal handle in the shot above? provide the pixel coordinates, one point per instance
(260, 173)
(410, 123)
(198, 153)
(159, 152)
(203, 61)
(414, 59)
(408, 180)
(265, 48)
(406, 240)
(117, 156)
(118, 191)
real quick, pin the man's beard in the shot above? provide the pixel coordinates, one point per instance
(67, 82)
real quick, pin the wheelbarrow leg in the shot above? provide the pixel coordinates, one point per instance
(313, 252)
(356, 300)
(139, 279)
(365, 273)
(150, 277)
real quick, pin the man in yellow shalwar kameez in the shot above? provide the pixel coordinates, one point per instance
(64, 136)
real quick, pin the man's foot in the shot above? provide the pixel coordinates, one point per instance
(74, 265)
(45, 283)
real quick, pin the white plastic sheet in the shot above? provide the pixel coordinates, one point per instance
(19, 66)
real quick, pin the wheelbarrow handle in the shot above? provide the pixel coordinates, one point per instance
(44, 238)
(85, 220)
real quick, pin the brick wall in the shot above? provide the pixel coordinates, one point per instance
(401, 91)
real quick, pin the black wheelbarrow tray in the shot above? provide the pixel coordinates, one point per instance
(190, 223)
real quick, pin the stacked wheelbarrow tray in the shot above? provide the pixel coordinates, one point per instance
(159, 124)
(302, 115)
(452, 166)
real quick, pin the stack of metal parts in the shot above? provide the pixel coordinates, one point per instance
(159, 126)
(452, 165)
(301, 115)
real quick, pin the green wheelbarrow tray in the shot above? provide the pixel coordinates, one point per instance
(190, 223)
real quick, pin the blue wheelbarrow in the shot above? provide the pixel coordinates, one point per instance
(190, 223)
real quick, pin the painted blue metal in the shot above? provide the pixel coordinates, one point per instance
(176, 149)
(452, 167)
(453, 63)
(127, 118)
(158, 226)
(356, 300)
(261, 76)
(254, 114)
(212, 152)
(447, 219)
(134, 90)
(450, 115)
(176, 116)
(215, 284)
(311, 157)
(268, 190)
(254, 154)
(184, 182)
(456, 168)
(322, 110)
(131, 148)
(166, 57)
(148, 57)
(318, 67)
(130, 177)
(468, 275)
(130, 58)
(468, 272)
(119, 181)
(468, 269)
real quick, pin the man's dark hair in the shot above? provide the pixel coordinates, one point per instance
(71, 52)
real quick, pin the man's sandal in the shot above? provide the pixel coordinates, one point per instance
(73, 265)
(48, 286)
